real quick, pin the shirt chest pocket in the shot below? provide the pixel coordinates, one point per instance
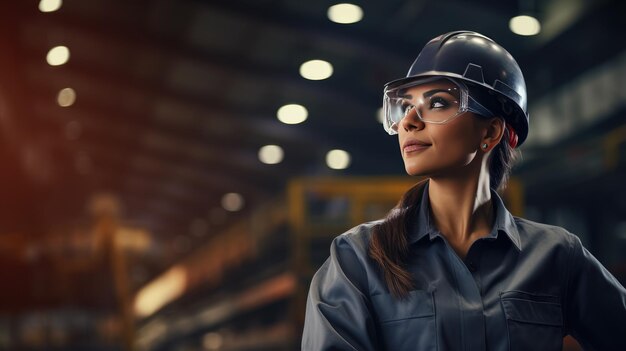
(407, 324)
(534, 322)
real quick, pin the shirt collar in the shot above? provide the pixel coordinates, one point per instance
(424, 224)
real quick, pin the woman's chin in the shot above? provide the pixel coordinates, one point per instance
(416, 171)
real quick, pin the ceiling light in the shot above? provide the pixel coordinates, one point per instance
(292, 114)
(271, 154)
(316, 70)
(345, 13)
(66, 97)
(49, 5)
(232, 202)
(525, 25)
(58, 56)
(337, 159)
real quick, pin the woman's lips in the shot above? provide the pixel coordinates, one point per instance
(415, 148)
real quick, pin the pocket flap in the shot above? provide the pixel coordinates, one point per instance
(529, 308)
(417, 304)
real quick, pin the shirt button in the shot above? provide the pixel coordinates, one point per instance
(471, 266)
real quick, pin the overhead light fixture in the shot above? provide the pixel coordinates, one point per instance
(49, 5)
(232, 202)
(316, 70)
(271, 154)
(58, 55)
(337, 159)
(292, 114)
(345, 13)
(524, 25)
(66, 97)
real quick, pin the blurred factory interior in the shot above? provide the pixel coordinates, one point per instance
(173, 171)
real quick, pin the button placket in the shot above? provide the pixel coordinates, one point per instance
(470, 302)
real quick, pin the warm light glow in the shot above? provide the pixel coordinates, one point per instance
(212, 341)
(58, 56)
(338, 159)
(345, 13)
(272, 289)
(49, 5)
(232, 202)
(161, 291)
(316, 70)
(66, 97)
(292, 114)
(525, 25)
(271, 154)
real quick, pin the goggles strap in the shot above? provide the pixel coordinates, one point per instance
(476, 107)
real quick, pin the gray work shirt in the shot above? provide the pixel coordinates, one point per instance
(522, 287)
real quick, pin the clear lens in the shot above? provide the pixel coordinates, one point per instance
(433, 100)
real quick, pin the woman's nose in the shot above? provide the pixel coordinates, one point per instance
(411, 121)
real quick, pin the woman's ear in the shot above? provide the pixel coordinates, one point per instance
(494, 131)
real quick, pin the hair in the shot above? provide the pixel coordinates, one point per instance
(389, 244)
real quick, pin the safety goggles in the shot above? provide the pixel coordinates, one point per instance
(436, 100)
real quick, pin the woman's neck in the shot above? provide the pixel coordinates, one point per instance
(461, 208)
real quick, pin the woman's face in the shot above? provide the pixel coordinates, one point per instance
(438, 149)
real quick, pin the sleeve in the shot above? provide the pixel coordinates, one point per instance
(338, 310)
(595, 303)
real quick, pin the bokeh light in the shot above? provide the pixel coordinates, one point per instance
(292, 114)
(58, 55)
(345, 13)
(338, 159)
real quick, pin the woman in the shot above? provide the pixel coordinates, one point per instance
(450, 268)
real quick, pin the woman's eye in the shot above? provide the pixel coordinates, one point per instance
(438, 102)
(407, 108)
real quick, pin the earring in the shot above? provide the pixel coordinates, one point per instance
(485, 146)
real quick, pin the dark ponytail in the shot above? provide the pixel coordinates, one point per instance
(389, 244)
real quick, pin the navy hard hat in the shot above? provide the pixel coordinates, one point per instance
(474, 58)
